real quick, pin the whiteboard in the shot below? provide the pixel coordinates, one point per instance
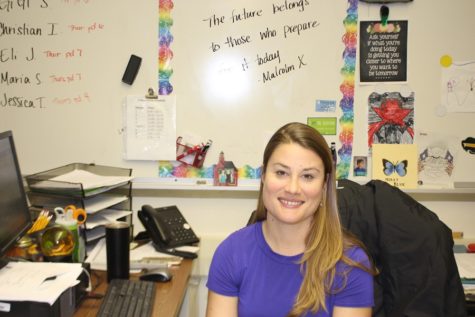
(235, 95)
(244, 68)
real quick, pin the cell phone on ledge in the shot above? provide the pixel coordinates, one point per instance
(168, 230)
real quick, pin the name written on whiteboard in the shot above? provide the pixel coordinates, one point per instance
(285, 30)
(35, 79)
(11, 5)
(21, 102)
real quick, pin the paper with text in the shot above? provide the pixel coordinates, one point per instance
(150, 128)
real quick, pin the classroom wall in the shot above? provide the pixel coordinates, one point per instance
(67, 59)
(71, 73)
(66, 105)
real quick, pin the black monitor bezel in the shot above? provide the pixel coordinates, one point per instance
(26, 226)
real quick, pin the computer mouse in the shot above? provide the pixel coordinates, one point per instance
(158, 275)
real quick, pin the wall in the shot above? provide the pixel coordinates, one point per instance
(75, 65)
(63, 96)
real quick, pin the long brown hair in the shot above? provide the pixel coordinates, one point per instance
(326, 241)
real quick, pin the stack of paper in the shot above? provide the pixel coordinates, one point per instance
(146, 253)
(37, 281)
(466, 268)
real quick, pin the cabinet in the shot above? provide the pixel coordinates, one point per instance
(104, 192)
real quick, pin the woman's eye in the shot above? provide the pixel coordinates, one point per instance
(280, 173)
(308, 177)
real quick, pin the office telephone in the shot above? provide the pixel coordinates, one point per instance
(168, 229)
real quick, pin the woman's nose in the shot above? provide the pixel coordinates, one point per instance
(293, 185)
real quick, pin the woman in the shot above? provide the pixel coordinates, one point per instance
(295, 260)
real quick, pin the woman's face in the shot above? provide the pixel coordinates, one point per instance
(293, 184)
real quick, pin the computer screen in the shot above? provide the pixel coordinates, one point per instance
(15, 217)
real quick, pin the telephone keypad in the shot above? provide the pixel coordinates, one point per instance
(179, 228)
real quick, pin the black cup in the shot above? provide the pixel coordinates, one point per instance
(118, 251)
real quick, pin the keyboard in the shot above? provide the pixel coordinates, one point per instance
(128, 298)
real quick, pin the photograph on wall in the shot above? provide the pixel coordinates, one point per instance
(458, 87)
(383, 51)
(395, 164)
(360, 166)
(390, 118)
(437, 154)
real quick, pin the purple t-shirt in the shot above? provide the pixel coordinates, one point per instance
(266, 283)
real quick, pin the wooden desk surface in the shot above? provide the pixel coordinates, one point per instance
(168, 298)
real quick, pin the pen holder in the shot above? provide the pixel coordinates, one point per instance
(117, 250)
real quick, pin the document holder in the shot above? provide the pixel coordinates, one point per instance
(105, 187)
(44, 182)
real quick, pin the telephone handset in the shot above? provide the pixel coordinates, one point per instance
(168, 229)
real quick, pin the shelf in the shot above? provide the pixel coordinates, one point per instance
(192, 184)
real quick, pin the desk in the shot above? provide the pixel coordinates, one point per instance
(168, 298)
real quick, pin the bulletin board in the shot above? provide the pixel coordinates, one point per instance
(239, 70)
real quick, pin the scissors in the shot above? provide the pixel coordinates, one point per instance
(78, 214)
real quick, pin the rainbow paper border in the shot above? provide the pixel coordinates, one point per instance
(165, 54)
(350, 39)
(175, 169)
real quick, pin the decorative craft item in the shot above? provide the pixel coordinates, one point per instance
(193, 155)
(225, 173)
(396, 164)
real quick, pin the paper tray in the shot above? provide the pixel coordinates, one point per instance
(106, 178)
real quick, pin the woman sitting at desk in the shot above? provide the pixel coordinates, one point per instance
(295, 260)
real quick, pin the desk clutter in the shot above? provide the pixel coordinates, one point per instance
(42, 289)
(86, 196)
(48, 226)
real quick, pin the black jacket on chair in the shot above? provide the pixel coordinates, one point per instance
(411, 248)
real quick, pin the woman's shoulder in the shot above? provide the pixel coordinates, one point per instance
(242, 238)
(357, 254)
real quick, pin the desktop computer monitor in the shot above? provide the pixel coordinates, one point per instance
(15, 218)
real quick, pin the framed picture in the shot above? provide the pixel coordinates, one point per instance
(360, 166)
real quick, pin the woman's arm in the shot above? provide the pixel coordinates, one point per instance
(339, 311)
(220, 305)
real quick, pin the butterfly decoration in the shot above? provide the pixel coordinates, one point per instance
(399, 167)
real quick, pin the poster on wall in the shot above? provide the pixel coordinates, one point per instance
(458, 87)
(396, 164)
(383, 51)
(390, 118)
(437, 158)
